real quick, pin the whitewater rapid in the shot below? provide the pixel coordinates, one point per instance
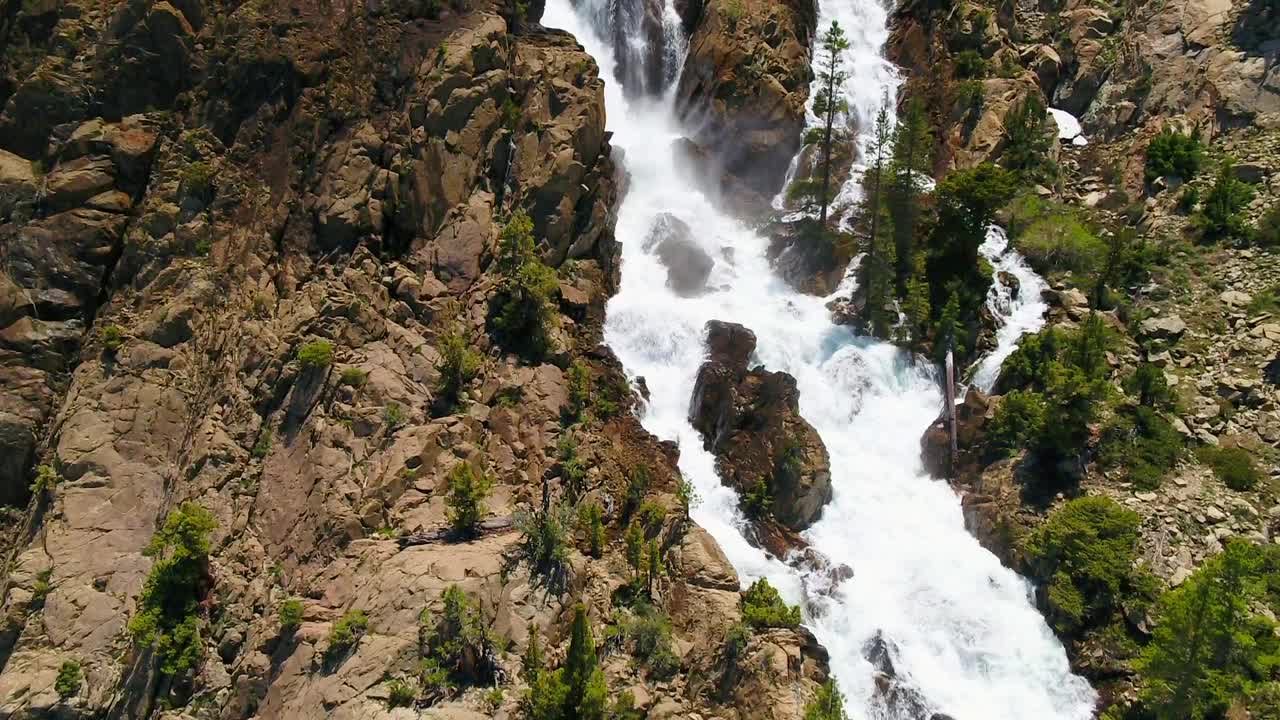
(1019, 311)
(966, 634)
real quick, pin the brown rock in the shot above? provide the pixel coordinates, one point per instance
(751, 421)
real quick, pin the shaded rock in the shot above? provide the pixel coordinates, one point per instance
(688, 265)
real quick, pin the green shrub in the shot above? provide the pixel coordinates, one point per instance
(69, 679)
(1233, 466)
(1085, 554)
(458, 366)
(1188, 200)
(1267, 234)
(970, 95)
(318, 354)
(572, 470)
(1151, 387)
(1028, 366)
(591, 521)
(575, 691)
(579, 390)
(168, 608)
(400, 693)
(971, 65)
(457, 641)
(1172, 154)
(263, 446)
(392, 415)
(112, 337)
(1142, 442)
(1054, 238)
(827, 704)
(45, 481)
(354, 376)
(637, 486)
(1266, 301)
(347, 631)
(41, 588)
(197, 179)
(524, 304)
(1220, 216)
(1017, 422)
(544, 542)
(633, 538)
(648, 631)
(468, 488)
(290, 614)
(763, 607)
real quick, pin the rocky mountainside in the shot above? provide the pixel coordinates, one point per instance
(269, 261)
(1171, 260)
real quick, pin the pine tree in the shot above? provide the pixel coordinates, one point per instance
(950, 332)
(916, 306)
(1206, 642)
(582, 675)
(654, 564)
(912, 143)
(829, 105)
(468, 489)
(634, 540)
(1028, 141)
(877, 270)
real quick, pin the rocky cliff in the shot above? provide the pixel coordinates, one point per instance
(1187, 322)
(238, 244)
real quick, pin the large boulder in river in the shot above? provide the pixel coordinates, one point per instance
(745, 83)
(750, 419)
(688, 265)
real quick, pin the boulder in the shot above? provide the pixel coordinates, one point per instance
(1167, 329)
(688, 265)
(750, 419)
(17, 184)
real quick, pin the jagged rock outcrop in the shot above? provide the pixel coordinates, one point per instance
(335, 179)
(744, 86)
(750, 419)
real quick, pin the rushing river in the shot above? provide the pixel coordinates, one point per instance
(963, 632)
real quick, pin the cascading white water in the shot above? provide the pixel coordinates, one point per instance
(1018, 314)
(965, 633)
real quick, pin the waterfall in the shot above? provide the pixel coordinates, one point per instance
(1017, 314)
(963, 633)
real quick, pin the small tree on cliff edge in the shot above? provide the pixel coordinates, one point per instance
(828, 104)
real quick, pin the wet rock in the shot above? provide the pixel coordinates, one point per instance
(751, 420)
(745, 81)
(807, 264)
(688, 265)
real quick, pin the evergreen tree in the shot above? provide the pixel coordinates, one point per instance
(950, 331)
(654, 566)
(829, 105)
(1028, 140)
(828, 704)
(912, 142)
(634, 539)
(467, 490)
(878, 266)
(1208, 646)
(582, 675)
